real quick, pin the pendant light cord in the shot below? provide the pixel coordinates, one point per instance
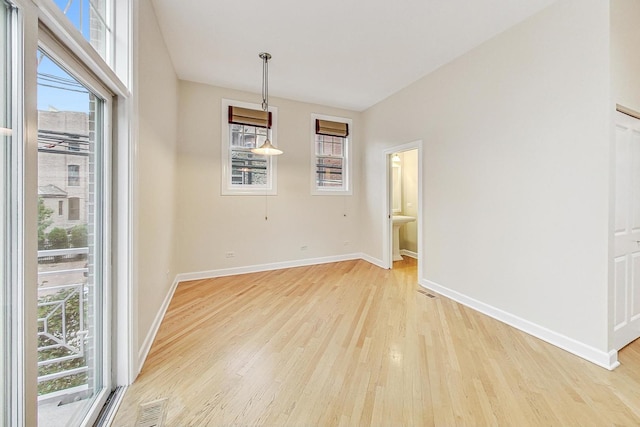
(265, 85)
(265, 107)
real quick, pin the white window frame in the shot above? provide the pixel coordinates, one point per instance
(228, 188)
(346, 189)
(11, 298)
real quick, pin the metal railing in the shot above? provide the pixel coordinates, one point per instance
(62, 326)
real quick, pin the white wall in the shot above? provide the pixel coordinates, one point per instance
(625, 53)
(210, 225)
(516, 173)
(157, 94)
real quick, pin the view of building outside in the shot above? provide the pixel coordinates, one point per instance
(63, 153)
(329, 161)
(247, 168)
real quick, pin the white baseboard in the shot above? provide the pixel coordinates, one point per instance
(371, 260)
(151, 335)
(606, 360)
(409, 253)
(199, 275)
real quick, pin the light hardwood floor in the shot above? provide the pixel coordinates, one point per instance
(348, 344)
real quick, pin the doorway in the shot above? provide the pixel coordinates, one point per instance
(402, 234)
(626, 233)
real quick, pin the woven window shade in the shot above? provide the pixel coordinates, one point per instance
(327, 127)
(247, 116)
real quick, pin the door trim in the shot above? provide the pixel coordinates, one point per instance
(387, 229)
(628, 111)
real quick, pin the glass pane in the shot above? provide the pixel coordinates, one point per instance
(249, 140)
(90, 18)
(70, 259)
(329, 145)
(327, 148)
(329, 172)
(245, 136)
(5, 141)
(236, 138)
(337, 146)
(248, 168)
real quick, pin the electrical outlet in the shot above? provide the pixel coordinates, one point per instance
(230, 254)
(303, 248)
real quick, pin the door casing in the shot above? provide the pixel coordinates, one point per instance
(387, 230)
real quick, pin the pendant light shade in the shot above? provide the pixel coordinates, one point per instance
(266, 149)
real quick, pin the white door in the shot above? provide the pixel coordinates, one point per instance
(627, 231)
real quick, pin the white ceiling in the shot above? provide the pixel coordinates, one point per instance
(342, 53)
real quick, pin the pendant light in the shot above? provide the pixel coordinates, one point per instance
(267, 148)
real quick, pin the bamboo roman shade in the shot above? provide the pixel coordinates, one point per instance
(327, 127)
(247, 116)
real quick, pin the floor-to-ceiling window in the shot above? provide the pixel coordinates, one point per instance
(58, 259)
(73, 280)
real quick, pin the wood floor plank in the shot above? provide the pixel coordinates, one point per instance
(349, 344)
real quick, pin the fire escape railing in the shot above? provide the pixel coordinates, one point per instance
(62, 326)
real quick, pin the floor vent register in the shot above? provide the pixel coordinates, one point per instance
(152, 414)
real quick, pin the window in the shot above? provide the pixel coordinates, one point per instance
(331, 160)
(74, 209)
(73, 175)
(244, 172)
(60, 207)
(90, 17)
(73, 334)
(58, 305)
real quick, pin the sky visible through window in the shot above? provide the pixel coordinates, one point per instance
(78, 13)
(57, 90)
